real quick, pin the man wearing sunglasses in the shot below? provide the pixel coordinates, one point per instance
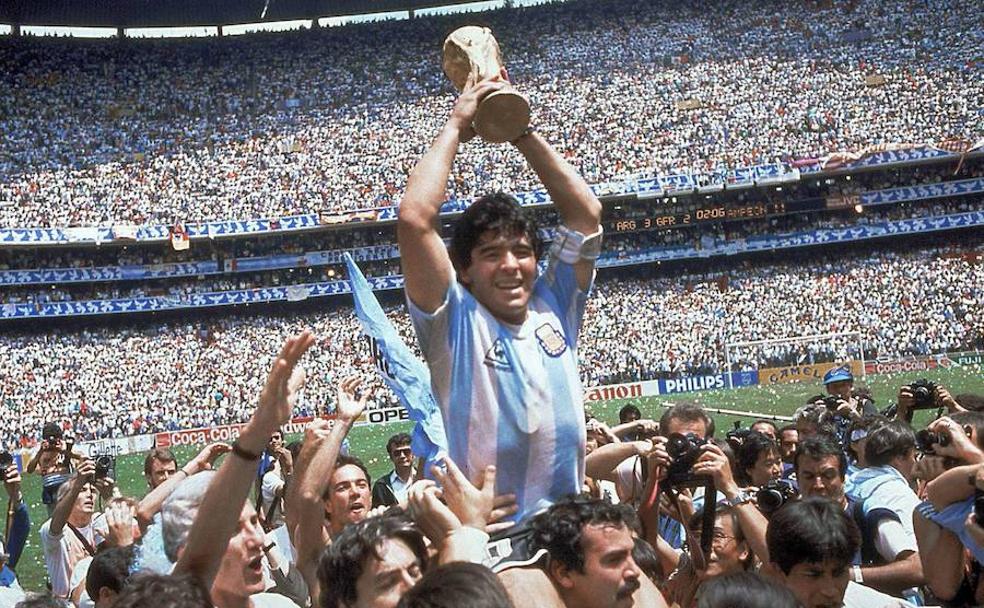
(392, 489)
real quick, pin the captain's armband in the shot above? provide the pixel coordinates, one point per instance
(570, 246)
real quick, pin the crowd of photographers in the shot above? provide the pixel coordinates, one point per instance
(844, 505)
(108, 132)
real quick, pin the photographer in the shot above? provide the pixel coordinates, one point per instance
(53, 462)
(923, 395)
(739, 533)
(74, 510)
(887, 503)
(941, 522)
(839, 383)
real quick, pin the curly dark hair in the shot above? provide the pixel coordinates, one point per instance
(343, 560)
(560, 528)
(164, 591)
(499, 213)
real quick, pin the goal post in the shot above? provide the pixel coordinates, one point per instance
(831, 349)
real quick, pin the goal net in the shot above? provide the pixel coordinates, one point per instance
(797, 359)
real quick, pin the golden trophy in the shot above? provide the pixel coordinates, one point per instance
(502, 115)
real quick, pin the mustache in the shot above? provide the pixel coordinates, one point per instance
(628, 589)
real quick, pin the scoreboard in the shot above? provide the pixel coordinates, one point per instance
(715, 213)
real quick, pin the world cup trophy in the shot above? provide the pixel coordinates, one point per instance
(502, 115)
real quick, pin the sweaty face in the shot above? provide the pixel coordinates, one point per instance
(610, 575)
(384, 581)
(728, 554)
(501, 275)
(241, 570)
(349, 499)
(767, 467)
(817, 585)
(160, 472)
(820, 477)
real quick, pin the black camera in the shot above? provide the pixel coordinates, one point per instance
(926, 439)
(923, 394)
(774, 495)
(6, 459)
(105, 465)
(737, 436)
(832, 402)
(684, 450)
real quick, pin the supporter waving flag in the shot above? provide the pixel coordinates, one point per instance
(406, 375)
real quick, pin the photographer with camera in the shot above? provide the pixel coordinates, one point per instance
(941, 523)
(738, 532)
(924, 395)
(69, 536)
(839, 384)
(53, 461)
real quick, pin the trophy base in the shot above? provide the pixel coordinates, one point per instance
(502, 116)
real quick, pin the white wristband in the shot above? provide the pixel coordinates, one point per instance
(856, 571)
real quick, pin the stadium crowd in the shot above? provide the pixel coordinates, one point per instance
(97, 132)
(96, 380)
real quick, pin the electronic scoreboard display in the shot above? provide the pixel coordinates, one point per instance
(717, 213)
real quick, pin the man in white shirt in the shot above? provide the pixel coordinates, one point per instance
(69, 537)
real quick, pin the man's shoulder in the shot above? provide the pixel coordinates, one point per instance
(385, 480)
(860, 596)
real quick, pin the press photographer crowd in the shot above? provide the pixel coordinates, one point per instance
(843, 505)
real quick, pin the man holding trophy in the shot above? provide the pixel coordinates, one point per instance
(500, 338)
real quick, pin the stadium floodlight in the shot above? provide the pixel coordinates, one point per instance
(838, 347)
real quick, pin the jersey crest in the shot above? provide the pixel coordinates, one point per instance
(551, 341)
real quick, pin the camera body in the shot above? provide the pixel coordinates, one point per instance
(774, 495)
(923, 394)
(737, 435)
(926, 439)
(831, 402)
(684, 450)
(105, 466)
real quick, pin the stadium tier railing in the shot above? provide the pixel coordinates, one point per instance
(392, 282)
(55, 276)
(652, 187)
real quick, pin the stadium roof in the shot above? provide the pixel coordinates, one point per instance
(174, 13)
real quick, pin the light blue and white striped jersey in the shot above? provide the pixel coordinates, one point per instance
(510, 395)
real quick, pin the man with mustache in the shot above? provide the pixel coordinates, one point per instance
(589, 552)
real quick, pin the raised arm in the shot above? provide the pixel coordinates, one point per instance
(59, 517)
(579, 208)
(312, 475)
(218, 516)
(427, 269)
